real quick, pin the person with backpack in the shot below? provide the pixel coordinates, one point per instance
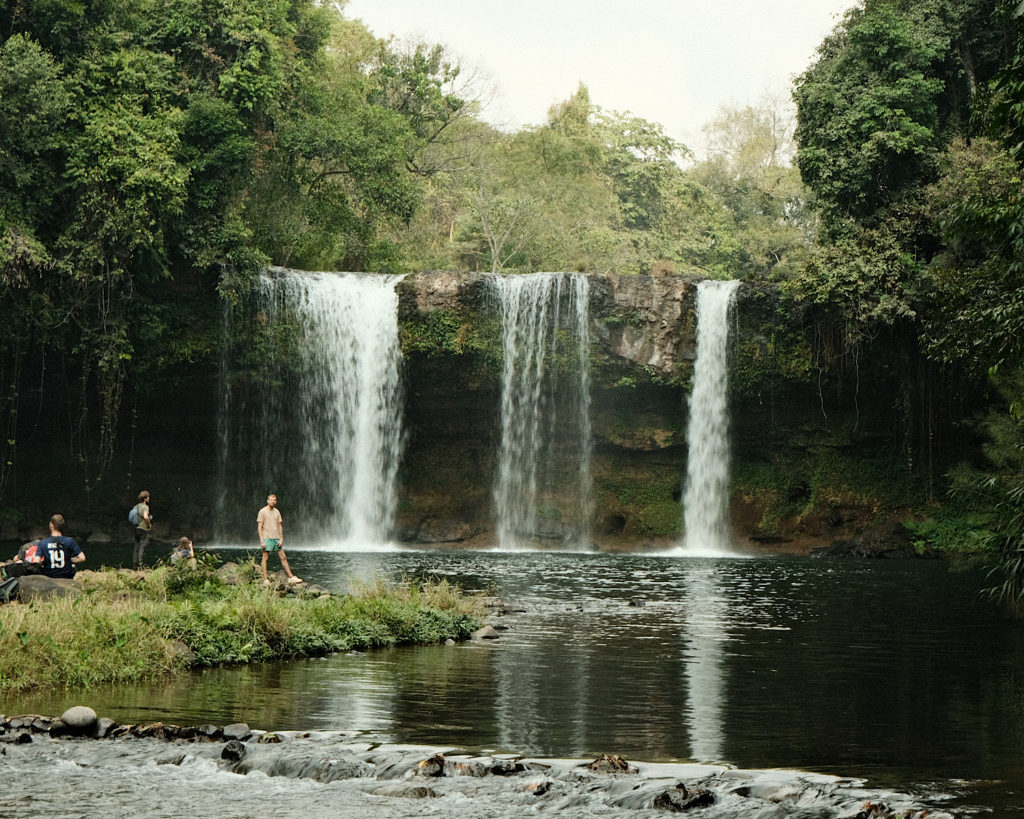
(139, 515)
(60, 553)
(183, 551)
(29, 560)
(55, 556)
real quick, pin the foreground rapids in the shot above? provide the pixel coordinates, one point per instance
(162, 770)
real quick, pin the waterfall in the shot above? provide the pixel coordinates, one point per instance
(706, 497)
(323, 429)
(542, 489)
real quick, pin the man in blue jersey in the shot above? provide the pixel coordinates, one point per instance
(60, 553)
(55, 556)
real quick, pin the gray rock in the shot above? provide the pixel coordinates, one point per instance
(233, 751)
(40, 587)
(486, 633)
(886, 541)
(434, 766)
(611, 763)
(506, 767)
(680, 799)
(42, 725)
(404, 790)
(237, 730)
(229, 574)
(103, 727)
(186, 654)
(673, 799)
(149, 729)
(469, 767)
(443, 530)
(393, 766)
(79, 719)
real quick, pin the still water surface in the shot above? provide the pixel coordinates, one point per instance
(893, 671)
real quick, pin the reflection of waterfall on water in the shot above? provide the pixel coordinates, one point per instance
(323, 429)
(706, 499)
(542, 486)
(704, 634)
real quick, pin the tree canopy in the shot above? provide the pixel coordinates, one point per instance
(155, 156)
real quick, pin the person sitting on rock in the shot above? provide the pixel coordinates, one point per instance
(29, 553)
(60, 553)
(28, 560)
(183, 551)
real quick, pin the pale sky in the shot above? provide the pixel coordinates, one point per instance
(675, 62)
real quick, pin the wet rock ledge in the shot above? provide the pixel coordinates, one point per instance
(608, 783)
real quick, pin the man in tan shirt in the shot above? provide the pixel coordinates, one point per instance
(270, 529)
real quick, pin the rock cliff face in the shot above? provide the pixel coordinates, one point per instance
(798, 469)
(642, 349)
(645, 322)
(801, 478)
(648, 321)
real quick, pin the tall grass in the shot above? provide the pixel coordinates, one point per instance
(128, 627)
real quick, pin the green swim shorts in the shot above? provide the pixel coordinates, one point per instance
(271, 544)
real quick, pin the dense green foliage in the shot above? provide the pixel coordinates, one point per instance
(155, 156)
(129, 627)
(910, 136)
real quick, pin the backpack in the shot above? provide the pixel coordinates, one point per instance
(133, 515)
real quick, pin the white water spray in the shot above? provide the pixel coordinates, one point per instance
(332, 425)
(542, 488)
(706, 499)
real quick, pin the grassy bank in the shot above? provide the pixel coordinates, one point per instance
(129, 626)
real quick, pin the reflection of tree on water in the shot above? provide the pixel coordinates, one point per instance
(587, 687)
(541, 695)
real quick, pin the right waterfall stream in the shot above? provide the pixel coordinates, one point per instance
(706, 493)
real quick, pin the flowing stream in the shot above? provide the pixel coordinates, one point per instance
(324, 432)
(545, 411)
(706, 497)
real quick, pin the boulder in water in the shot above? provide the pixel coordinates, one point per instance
(233, 751)
(79, 719)
(405, 790)
(612, 763)
(237, 730)
(433, 766)
(877, 542)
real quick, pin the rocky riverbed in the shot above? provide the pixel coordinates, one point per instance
(106, 769)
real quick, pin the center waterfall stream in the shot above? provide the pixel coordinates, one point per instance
(784, 687)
